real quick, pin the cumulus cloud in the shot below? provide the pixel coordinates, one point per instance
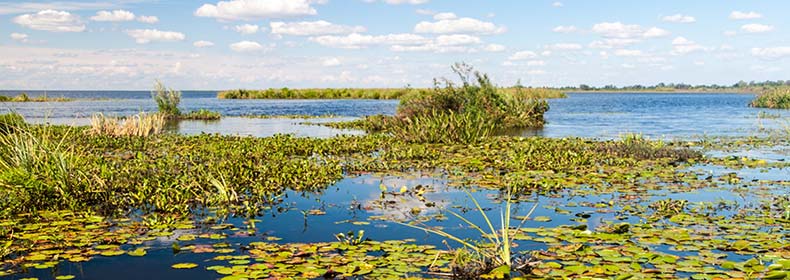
(331, 61)
(148, 19)
(443, 44)
(358, 41)
(246, 29)
(565, 29)
(145, 36)
(457, 25)
(681, 45)
(51, 20)
(19, 37)
(625, 52)
(679, 18)
(557, 4)
(203, 44)
(523, 55)
(257, 9)
(756, 28)
(313, 28)
(612, 43)
(564, 47)
(536, 63)
(627, 31)
(246, 46)
(494, 48)
(444, 16)
(771, 52)
(738, 15)
(113, 16)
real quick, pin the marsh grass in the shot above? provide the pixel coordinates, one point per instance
(10, 122)
(497, 247)
(444, 127)
(142, 124)
(167, 99)
(23, 97)
(775, 98)
(201, 114)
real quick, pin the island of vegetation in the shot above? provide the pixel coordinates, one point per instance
(23, 97)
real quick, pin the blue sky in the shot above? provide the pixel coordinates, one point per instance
(210, 44)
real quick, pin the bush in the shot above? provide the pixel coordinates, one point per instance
(167, 99)
(775, 98)
(201, 114)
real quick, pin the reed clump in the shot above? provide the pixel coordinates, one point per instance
(142, 125)
(23, 97)
(775, 98)
(11, 122)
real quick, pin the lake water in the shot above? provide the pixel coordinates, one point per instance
(598, 115)
(357, 199)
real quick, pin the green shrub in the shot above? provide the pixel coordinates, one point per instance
(445, 127)
(775, 98)
(167, 99)
(201, 114)
(10, 122)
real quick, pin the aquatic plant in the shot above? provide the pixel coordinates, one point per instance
(444, 127)
(23, 97)
(498, 246)
(142, 124)
(201, 114)
(774, 98)
(325, 93)
(10, 121)
(167, 99)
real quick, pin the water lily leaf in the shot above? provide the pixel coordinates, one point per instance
(184, 266)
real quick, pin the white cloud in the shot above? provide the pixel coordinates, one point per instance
(246, 29)
(444, 16)
(494, 48)
(557, 4)
(425, 12)
(312, 28)
(565, 29)
(612, 43)
(679, 18)
(19, 7)
(619, 30)
(536, 72)
(202, 44)
(114, 16)
(627, 66)
(756, 28)
(624, 52)
(443, 44)
(246, 46)
(456, 40)
(19, 37)
(536, 63)
(148, 19)
(523, 55)
(681, 45)
(144, 36)
(357, 41)
(771, 52)
(738, 15)
(257, 9)
(730, 33)
(564, 47)
(655, 32)
(51, 20)
(459, 25)
(332, 61)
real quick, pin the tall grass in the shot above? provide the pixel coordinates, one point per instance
(775, 98)
(36, 171)
(497, 247)
(444, 127)
(142, 124)
(167, 99)
(10, 122)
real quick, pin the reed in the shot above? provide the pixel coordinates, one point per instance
(142, 125)
(167, 99)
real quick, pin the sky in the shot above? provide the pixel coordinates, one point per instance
(210, 44)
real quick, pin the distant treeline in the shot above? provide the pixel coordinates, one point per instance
(362, 93)
(741, 86)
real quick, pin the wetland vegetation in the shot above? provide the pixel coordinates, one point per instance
(218, 206)
(775, 98)
(23, 97)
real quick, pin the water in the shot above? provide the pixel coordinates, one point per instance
(357, 199)
(596, 115)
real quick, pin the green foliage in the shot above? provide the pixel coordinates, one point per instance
(167, 99)
(201, 114)
(10, 121)
(312, 93)
(23, 97)
(775, 98)
(444, 127)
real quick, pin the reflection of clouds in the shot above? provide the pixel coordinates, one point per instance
(402, 208)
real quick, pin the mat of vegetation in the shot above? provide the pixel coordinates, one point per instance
(775, 98)
(364, 93)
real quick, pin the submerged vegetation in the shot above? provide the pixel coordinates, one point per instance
(775, 98)
(23, 97)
